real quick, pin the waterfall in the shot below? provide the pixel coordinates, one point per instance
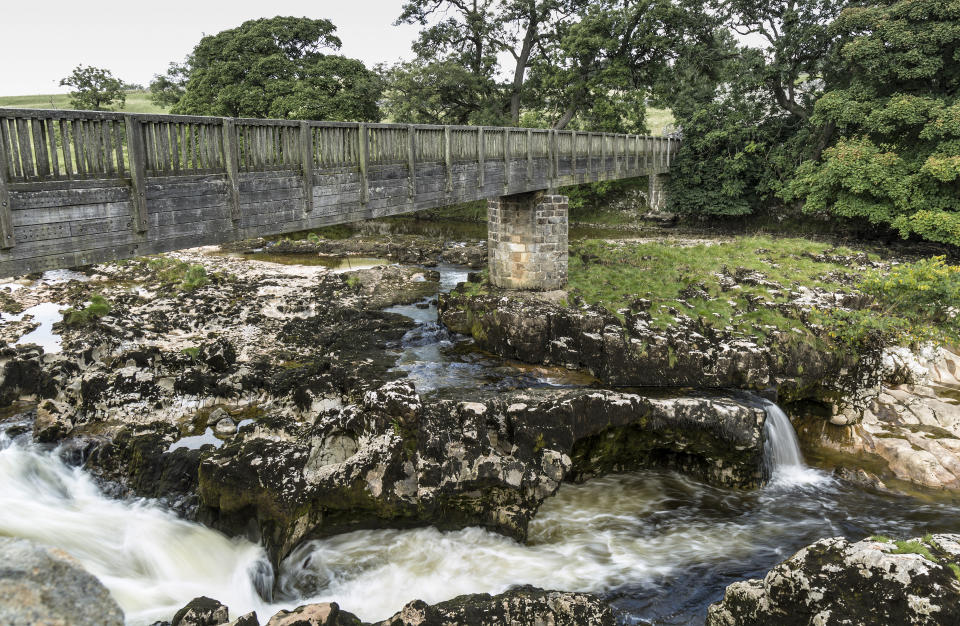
(152, 562)
(781, 451)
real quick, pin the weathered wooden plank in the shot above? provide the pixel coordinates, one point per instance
(6, 221)
(65, 142)
(8, 135)
(306, 165)
(506, 159)
(363, 147)
(52, 142)
(232, 165)
(481, 154)
(448, 156)
(138, 173)
(26, 150)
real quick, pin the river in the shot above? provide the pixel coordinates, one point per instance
(660, 546)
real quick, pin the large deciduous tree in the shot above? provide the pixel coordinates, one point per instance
(94, 89)
(896, 107)
(746, 106)
(473, 36)
(276, 68)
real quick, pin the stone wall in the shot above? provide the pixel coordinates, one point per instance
(527, 240)
(657, 193)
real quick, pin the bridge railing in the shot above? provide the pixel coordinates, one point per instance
(52, 145)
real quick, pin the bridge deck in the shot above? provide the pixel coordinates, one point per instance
(80, 187)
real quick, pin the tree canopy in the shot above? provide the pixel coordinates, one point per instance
(94, 89)
(273, 67)
(896, 106)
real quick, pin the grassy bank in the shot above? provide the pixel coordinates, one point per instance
(756, 285)
(137, 102)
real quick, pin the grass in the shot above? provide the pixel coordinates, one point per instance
(921, 547)
(685, 278)
(657, 119)
(137, 102)
(98, 307)
(743, 285)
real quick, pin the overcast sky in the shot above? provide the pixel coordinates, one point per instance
(42, 40)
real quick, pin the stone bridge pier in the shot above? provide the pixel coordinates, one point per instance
(527, 241)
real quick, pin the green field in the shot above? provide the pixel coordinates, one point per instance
(137, 102)
(657, 119)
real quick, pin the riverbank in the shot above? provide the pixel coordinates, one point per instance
(315, 409)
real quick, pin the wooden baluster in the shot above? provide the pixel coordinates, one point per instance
(231, 162)
(362, 157)
(138, 177)
(306, 165)
(7, 240)
(411, 161)
(481, 155)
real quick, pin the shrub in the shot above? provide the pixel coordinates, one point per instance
(98, 307)
(194, 277)
(927, 289)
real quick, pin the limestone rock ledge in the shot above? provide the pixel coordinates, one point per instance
(396, 461)
(634, 353)
(834, 581)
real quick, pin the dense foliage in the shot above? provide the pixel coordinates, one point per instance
(272, 68)
(896, 108)
(94, 89)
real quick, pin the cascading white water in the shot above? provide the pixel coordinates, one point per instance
(656, 534)
(152, 562)
(781, 450)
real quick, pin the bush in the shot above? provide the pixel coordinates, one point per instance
(98, 307)
(927, 289)
(194, 277)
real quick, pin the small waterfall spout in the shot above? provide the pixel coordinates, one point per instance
(781, 452)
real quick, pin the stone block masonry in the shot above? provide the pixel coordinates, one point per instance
(527, 241)
(657, 194)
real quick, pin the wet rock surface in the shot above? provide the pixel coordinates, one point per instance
(521, 606)
(257, 344)
(632, 352)
(202, 611)
(834, 581)
(910, 427)
(40, 585)
(394, 460)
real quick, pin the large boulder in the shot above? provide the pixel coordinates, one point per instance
(522, 606)
(322, 614)
(41, 585)
(202, 611)
(395, 461)
(833, 581)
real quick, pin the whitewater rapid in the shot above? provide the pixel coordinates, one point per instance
(659, 545)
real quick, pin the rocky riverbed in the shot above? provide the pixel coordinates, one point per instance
(265, 400)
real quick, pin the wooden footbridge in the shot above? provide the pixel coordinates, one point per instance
(82, 187)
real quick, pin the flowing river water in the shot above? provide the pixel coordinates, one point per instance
(660, 546)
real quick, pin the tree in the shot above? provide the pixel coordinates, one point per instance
(746, 112)
(276, 68)
(472, 34)
(166, 90)
(612, 48)
(439, 92)
(94, 89)
(896, 107)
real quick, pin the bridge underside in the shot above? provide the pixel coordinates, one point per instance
(72, 223)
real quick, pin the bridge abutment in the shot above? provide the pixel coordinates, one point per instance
(657, 193)
(527, 241)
